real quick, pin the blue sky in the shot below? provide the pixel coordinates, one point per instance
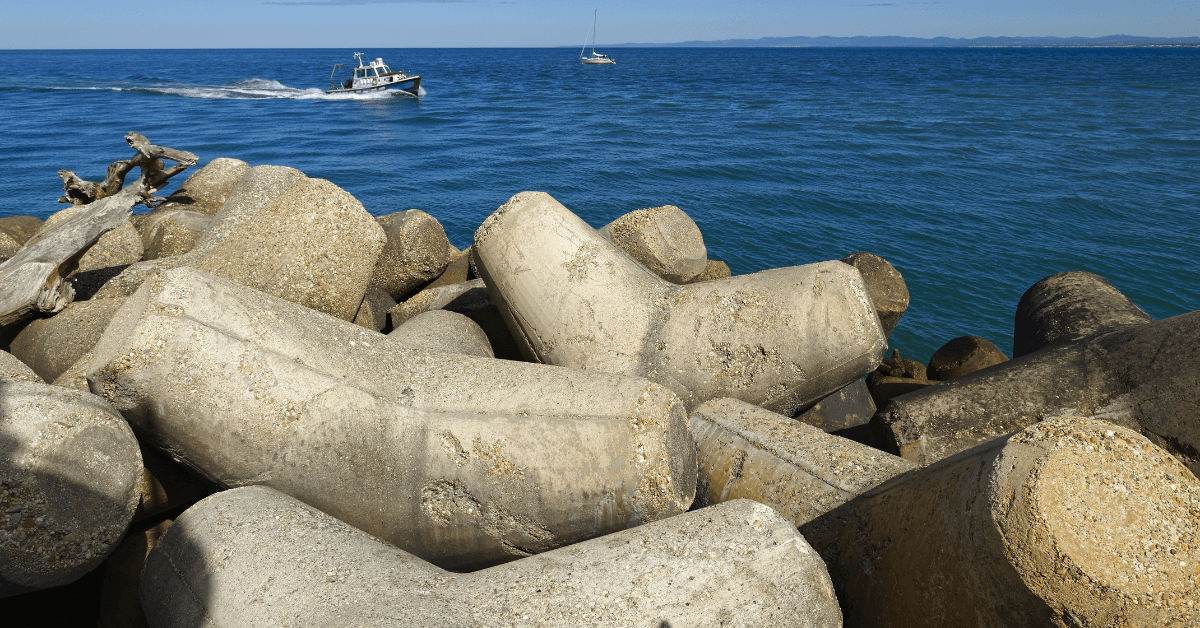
(537, 23)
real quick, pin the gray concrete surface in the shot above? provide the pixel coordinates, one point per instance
(850, 406)
(963, 355)
(51, 345)
(781, 338)
(1071, 522)
(206, 191)
(441, 331)
(172, 232)
(13, 368)
(746, 452)
(302, 239)
(1142, 377)
(469, 298)
(373, 311)
(663, 239)
(69, 471)
(255, 557)
(416, 252)
(460, 460)
(886, 285)
(1070, 306)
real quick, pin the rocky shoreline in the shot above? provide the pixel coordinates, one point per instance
(257, 404)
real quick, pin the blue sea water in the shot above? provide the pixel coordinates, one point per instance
(976, 172)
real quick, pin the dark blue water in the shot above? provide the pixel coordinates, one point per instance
(976, 172)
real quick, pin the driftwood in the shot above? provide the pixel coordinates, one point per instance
(33, 280)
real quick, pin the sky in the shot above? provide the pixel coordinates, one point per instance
(545, 23)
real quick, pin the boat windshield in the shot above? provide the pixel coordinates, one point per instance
(385, 70)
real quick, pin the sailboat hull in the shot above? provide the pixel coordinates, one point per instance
(597, 61)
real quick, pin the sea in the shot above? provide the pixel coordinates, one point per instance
(974, 171)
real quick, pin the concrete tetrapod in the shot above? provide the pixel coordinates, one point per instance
(1068, 306)
(69, 474)
(1071, 522)
(460, 460)
(797, 469)
(781, 338)
(303, 239)
(255, 557)
(1142, 377)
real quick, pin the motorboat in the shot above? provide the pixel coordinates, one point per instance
(595, 58)
(372, 77)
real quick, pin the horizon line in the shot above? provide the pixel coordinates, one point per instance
(763, 42)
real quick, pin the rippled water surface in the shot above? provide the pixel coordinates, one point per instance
(976, 172)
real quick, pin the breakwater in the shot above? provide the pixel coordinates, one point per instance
(257, 402)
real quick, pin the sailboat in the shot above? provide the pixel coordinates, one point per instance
(595, 58)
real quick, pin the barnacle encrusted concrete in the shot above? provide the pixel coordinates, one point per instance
(1071, 522)
(781, 338)
(255, 557)
(461, 460)
(69, 475)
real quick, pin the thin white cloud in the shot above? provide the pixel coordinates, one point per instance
(327, 3)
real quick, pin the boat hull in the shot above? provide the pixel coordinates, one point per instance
(410, 85)
(597, 61)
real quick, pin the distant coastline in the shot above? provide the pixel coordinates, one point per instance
(1109, 41)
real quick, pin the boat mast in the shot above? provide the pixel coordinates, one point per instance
(594, 31)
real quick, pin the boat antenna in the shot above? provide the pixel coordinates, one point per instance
(358, 56)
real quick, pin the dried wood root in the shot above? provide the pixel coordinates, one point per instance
(33, 281)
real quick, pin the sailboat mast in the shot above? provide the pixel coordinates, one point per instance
(594, 31)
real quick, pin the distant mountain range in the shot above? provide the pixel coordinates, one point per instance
(917, 42)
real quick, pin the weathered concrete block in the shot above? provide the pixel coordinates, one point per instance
(13, 368)
(1072, 522)
(460, 460)
(663, 239)
(69, 468)
(469, 298)
(886, 286)
(896, 376)
(1142, 377)
(172, 232)
(373, 311)
(884, 388)
(165, 485)
(20, 228)
(120, 597)
(457, 270)
(713, 270)
(15, 231)
(795, 468)
(781, 338)
(120, 247)
(206, 191)
(441, 331)
(850, 406)
(1071, 306)
(76, 375)
(302, 239)
(965, 354)
(738, 564)
(416, 252)
(51, 345)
